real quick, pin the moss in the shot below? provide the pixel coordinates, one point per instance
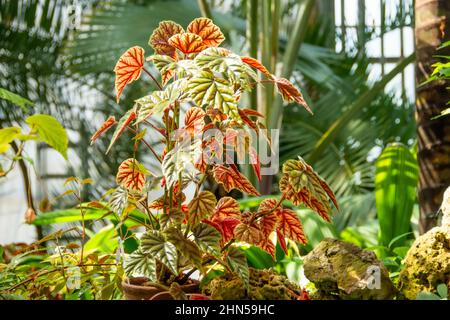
(263, 285)
(427, 263)
(341, 270)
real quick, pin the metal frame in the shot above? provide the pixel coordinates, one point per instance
(382, 60)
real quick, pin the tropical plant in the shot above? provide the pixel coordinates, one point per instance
(29, 272)
(430, 33)
(396, 180)
(203, 81)
(13, 138)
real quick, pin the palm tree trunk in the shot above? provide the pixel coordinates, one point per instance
(432, 26)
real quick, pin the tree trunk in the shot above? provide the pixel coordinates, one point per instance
(432, 27)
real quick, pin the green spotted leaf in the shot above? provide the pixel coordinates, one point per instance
(208, 90)
(238, 263)
(207, 238)
(156, 102)
(140, 264)
(201, 207)
(155, 244)
(187, 248)
(228, 64)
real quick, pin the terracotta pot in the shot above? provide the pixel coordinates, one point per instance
(133, 289)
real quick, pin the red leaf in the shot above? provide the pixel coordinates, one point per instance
(304, 295)
(130, 175)
(290, 226)
(290, 93)
(121, 126)
(269, 220)
(103, 128)
(248, 232)
(248, 121)
(228, 226)
(187, 42)
(282, 242)
(198, 296)
(257, 65)
(227, 207)
(194, 120)
(251, 112)
(329, 192)
(128, 68)
(159, 39)
(301, 184)
(232, 179)
(225, 226)
(207, 30)
(268, 246)
(166, 76)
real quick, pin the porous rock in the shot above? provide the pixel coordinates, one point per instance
(341, 270)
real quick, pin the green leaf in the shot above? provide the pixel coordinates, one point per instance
(6, 136)
(207, 90)
(16, 99)
(174, 217)
(427, 296)
(155, 244)
(156, 102)
(397, 238)
(229, 64)
(186, 247)
(105, 240)
(161, 62)
(140, 264)
(68, 215)
(50, 131)
(258, 258)
(180, 160)
(207, 237)
(183, 68)
(442, 290)
(396, 179)
(238, 263)
(71, 215)
(201, 207)
(401, 251)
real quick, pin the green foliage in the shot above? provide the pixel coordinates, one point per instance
(34, 274)
(140, 264)
(104, 240)
(442, 293)
(16, 99)
(238, 263)
(155, 244)
(6, 136)
(441, 72)
(207, 238)
(395, 191)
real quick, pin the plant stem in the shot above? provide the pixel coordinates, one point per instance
(153, 78)
(147, 144)
(204, 8)
(290, 56)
